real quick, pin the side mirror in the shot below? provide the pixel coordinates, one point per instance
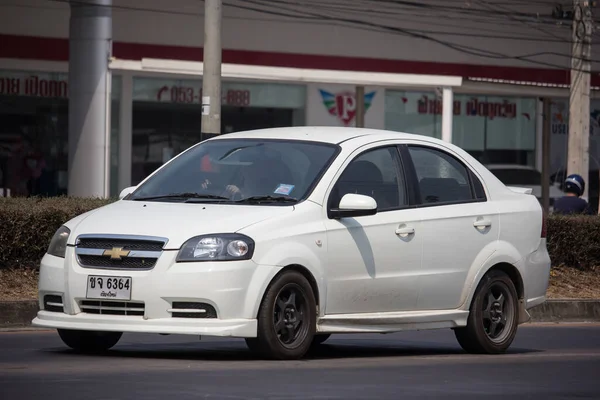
(127, 191)
(354, 205)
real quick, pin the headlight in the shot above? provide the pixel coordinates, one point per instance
(58, 244)
(223, 247)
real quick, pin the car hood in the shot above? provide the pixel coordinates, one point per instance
(177, 222)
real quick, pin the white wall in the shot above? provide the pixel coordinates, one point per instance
(181, 23)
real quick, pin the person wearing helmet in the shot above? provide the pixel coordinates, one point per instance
(572, 203)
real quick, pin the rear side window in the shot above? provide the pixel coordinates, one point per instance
(441, 178)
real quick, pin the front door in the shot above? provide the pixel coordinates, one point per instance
(373, 261)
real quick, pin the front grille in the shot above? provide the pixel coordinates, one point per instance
(126, 244)
(53, 303)
(112, 307)
(186, 309)
(106, 262)
(119, 251)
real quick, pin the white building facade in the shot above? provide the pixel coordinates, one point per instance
(506, 63)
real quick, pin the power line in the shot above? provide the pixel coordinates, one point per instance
(365, 25)
(487, 5)
(401, 31)
(333, 7)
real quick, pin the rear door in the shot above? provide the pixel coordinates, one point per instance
(459, 227)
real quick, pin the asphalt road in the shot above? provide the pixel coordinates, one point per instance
(545, 362)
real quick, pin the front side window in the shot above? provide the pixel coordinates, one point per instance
(441, 177)
(376, 173)
(239, 171)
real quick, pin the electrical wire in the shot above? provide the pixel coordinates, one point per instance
(350, 9)
(400, 31)
(492, 7)
(367, 25)
(386, 13)
(426, 11)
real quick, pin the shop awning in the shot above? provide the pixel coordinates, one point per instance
(288, 75)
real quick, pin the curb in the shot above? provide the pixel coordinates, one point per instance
(566, 311)
(17, 313)
(20, 313)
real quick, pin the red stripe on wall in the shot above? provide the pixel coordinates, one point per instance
(57, 49)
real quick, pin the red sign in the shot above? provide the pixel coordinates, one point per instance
(343, 105)
(182, 94)
(33, 86)
(474, 107)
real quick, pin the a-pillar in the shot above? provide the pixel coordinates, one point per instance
(90, 47)
(447, 114)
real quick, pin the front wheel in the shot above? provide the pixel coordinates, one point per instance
(493, 316)
(286, 318)
(89, 341)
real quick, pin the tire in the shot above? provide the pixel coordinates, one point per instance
(320, 338)
(89, 341)
(275, 339)
(474, 338)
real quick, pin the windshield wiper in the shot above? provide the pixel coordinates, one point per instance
(191, 196)
(268, 199)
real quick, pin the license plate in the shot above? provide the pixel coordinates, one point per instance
(108, 287)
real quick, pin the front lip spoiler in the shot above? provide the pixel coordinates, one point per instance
(138, 324)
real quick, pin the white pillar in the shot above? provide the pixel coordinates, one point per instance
(447, 114)
(125, 131)
(90, 32)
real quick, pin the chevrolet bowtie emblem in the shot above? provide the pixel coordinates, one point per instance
(116, 253)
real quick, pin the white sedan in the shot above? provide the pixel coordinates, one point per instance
(285, 236)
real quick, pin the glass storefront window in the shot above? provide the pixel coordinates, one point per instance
(167, 115)
(496, 130)
(34, 132)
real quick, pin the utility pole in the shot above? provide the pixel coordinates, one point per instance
(579, 99)
(360, 106)
(211, 75)
(546, 155)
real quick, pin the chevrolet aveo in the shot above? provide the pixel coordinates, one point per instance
(285, 236)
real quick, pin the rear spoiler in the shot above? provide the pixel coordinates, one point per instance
(520, 190)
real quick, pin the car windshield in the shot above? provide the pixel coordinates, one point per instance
(240, 171)
(518, 176)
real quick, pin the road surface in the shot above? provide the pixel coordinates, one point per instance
(545, 362)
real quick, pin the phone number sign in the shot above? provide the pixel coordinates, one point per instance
(191, 95)
(235, 94)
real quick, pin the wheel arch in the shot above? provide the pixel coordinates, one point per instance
(306, 273)
(515, 276)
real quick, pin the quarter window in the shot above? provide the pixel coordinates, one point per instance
(441, 177)
(376, 173)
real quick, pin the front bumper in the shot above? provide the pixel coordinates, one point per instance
(232, 290)
(117, 323)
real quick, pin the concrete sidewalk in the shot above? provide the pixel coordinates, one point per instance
(20, 313)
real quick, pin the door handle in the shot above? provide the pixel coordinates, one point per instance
(404, 231)
(482, 223)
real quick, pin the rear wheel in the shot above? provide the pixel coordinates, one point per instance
(89, 341)
(286, 318)
(493, 316)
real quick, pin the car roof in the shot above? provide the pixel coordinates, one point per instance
(323, 134)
